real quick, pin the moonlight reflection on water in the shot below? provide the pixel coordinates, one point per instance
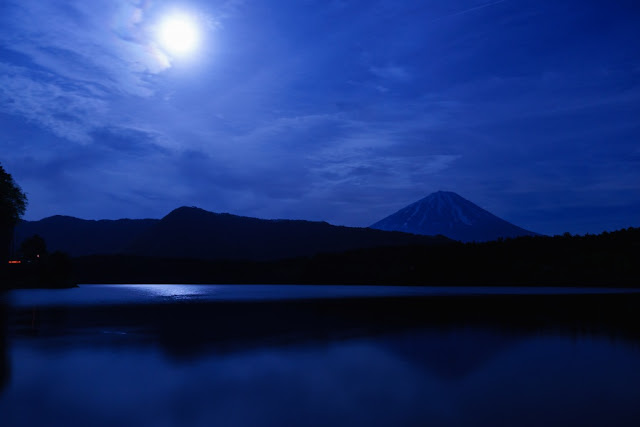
(474, 360)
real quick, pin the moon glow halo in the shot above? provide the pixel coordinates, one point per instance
(178, 34)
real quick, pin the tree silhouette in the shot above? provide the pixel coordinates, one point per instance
(13, 203)
(34, 249)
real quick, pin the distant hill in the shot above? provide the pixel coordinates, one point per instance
(190, 232)
(448, 214)
(83, 237)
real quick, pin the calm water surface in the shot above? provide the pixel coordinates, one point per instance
(174, 355)
(154, 294)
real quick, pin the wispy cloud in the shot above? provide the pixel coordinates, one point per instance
(391, 72)
(102, 42)
(71, 60)
(41, 98)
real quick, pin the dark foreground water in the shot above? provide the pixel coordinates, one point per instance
(163, 355)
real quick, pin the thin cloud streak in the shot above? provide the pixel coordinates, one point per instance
(472, 9)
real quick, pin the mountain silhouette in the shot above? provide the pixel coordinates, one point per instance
(448, 214)
(78, 237)
(190, 232)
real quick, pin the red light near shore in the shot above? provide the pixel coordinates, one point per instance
(15, 262)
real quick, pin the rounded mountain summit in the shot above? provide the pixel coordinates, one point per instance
(448, 214)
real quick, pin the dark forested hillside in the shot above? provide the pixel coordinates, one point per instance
(190, 232)
(79, 237)
(608, 259)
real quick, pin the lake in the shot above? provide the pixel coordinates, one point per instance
(247, 355)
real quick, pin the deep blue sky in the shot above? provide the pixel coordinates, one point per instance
(343, 111)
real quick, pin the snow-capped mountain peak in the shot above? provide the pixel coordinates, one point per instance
(451, 215)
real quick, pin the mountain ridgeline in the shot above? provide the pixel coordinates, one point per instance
(448, 214)
(78, 237)
(190, 232)
(191, 245)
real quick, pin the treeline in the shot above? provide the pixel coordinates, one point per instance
(50, 271)
(607, 259)
(35, 267)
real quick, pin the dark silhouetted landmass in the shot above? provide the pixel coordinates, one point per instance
(13, 203)
(196, 233)
(608, 259)
(190, 232)
(53, 270)
(191, 245)
(79, 237)
(450, 215)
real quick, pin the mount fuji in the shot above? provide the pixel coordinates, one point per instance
(448, 214)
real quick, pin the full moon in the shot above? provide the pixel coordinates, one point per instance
(179, 34)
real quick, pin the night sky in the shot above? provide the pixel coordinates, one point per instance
(343, 111)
